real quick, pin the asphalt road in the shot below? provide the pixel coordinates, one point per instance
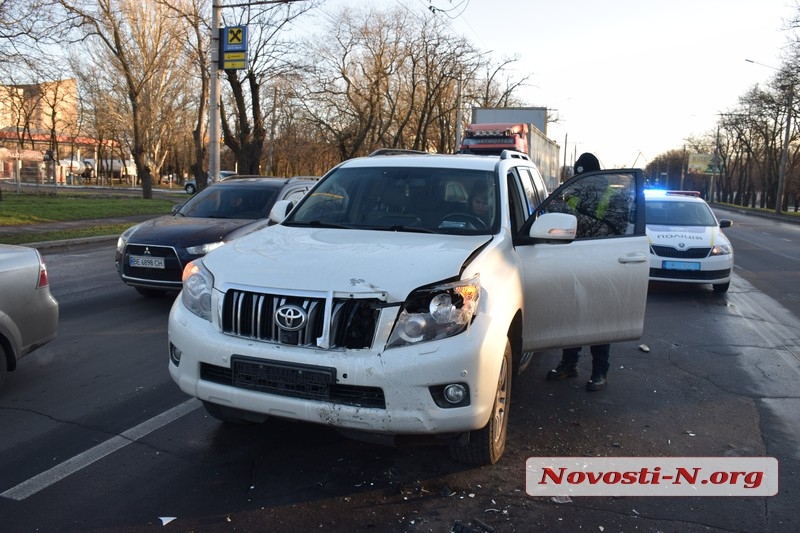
(767, 254)
(96, 437)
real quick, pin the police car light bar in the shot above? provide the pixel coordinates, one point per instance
(662, 192)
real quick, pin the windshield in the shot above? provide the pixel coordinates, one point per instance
(436, 200)
(243, 202)
(677, 213)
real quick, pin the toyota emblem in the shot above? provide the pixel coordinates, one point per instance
(290, 317)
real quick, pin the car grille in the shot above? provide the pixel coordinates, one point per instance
(171, 273)
(251, 315)
(292, 380)
(690, 253)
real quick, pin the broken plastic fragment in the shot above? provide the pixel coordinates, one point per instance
(561, 499)
(166, 519)
(645, 348)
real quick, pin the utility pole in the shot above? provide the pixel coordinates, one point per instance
(716, 166)
(213, 107)
(214, 91)
(458, 116)
(683, 166)
(785, 152)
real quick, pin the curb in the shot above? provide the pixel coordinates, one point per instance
(67, 243)
(791, 219)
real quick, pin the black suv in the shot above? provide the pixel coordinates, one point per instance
(151, 255)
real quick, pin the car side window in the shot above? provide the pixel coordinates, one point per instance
(533, 193)
(604, 204)
(517, 205)
(295, 195)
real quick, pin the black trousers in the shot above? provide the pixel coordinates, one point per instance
(600, 354)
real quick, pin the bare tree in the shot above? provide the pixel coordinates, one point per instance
(392, 79)
(139, 42)
(26, 27)
(242, 113)
(496, 88)
(196, 19)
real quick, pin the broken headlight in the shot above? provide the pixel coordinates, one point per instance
(436, 312)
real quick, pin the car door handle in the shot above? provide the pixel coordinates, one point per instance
(634, 258)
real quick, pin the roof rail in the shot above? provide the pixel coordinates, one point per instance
(514, 154)
(396, 151)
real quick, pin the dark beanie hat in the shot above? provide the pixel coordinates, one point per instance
(586, 163)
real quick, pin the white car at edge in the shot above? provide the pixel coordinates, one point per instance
(687, 244)
(380, 305)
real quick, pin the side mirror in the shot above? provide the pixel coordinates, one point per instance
(279, 211)
(725, 223)
(558, 227)
(176, 207)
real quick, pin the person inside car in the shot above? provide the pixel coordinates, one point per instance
(479, 205)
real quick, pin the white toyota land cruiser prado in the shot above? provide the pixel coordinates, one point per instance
(382, 305)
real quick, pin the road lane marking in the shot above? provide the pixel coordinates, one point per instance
(84, 459)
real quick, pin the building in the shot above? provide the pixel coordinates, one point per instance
(39, 132)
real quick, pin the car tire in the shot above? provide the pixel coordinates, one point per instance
(3, 366)
(721, 287)
(229, 415)
(485, 446)
(190, 188)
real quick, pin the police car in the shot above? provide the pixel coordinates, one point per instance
(686, 240)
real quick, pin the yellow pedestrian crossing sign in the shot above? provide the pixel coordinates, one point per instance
(233, 49)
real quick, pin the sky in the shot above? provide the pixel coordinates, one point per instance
(627, 79)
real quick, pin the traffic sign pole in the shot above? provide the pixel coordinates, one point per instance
(213, 107)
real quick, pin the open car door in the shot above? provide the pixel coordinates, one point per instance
(591, 289)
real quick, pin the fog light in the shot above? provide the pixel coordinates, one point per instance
(455, 393)
(174, 355)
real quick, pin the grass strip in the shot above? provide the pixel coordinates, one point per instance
(77, 233)
(31, 208)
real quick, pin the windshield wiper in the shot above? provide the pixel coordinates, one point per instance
(317, 224)
(411, 229)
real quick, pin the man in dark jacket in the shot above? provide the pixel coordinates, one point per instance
(568, 366)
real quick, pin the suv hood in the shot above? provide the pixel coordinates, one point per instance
(342, 260)
(188, 231)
